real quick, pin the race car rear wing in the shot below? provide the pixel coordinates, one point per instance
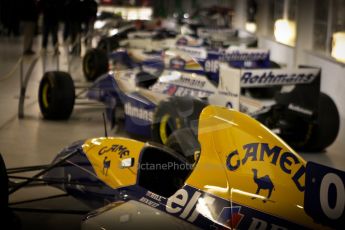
(300, 87)
(209, 59)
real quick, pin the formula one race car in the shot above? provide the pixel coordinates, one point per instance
(244, 177)
(95, 61)
(155, 105)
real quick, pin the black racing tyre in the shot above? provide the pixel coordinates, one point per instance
(3, 185)
(95, 63)
(56, 95)
(103, 45)
(108, 44)
(165, 122)
(325, 131)
(185, 142)
(174, 114)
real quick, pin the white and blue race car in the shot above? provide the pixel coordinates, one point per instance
(156, 105)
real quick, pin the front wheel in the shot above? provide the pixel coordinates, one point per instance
(56, 95)
(95, 63)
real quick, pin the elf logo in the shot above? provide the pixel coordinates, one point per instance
(188, 205)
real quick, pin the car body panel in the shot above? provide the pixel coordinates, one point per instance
(105, 153)
(221, 190)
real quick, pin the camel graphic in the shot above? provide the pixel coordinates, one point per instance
(263, 183)
(106, 165)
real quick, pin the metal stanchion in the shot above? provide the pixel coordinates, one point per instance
(24, 80)
(23, 85)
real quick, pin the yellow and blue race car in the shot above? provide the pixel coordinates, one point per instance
(243, 176)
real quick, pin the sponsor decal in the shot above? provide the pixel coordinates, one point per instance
(177, 63)
(182, 204)
(106, 166)
(211, 212)
(212, 66)
(264, 183)
(137, 112)
(182, 91)
(231, 216)
(149, 202)
(192, 82)
(194, 52)
(154, 196)
(119, 149)
(274, 154)
(250, 78)
(297, 108)
(324, 198)
(243, 55)
(228, 93)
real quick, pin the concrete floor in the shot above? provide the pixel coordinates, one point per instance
(33, 140)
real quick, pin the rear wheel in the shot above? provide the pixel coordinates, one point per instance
(174, 114)
(166, 121)
(325, 130)
(95, 63)
(56, 95)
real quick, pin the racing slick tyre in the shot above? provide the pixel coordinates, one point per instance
(108, 44)
(185, 142)
(3, 185)
(325, 131)
(56, 95)
(95, 63)
(174, 114)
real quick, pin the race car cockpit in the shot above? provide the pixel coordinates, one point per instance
(162, 170)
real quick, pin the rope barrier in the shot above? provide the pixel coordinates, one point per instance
(13, 70)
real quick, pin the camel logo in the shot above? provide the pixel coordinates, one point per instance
(264, 183)
(106, 166)
(120, 149)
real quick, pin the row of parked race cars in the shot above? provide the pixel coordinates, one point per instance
(208, 166)
(162, 80)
